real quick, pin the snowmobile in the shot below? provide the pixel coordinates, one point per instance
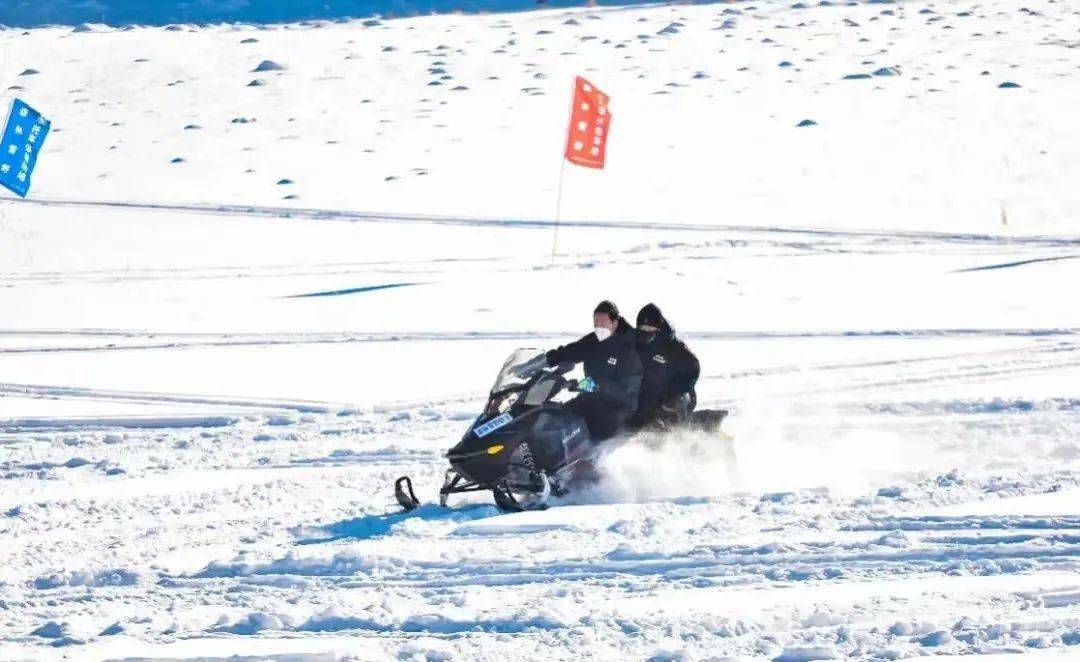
(526, 446)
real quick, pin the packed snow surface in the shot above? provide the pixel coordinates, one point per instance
(232, 314)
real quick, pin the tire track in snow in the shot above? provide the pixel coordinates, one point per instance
(1006, 362)
(1003, 363)
(880, 363)
(260, 404)
(182, 340)
(871, 559)
(533, 224)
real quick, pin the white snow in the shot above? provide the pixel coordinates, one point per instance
(207, 387)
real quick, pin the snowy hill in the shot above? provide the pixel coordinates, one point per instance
(233, 313)
(430, 115)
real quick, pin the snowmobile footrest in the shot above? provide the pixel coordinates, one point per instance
(403, 491)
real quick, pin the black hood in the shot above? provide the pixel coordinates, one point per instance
(650, 314)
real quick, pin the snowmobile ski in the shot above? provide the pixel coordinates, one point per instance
(403, 490)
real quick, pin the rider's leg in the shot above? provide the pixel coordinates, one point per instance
(603, 418)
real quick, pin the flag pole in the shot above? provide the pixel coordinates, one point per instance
(562, 172)
(558, 210)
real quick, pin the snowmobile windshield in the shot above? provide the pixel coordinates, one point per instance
(508, 374)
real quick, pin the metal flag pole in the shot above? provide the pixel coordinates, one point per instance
(558, 210)
(562, 173)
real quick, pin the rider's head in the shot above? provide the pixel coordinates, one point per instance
(606, 315)
(649, 322)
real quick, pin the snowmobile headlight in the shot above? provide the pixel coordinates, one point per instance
(494, 450)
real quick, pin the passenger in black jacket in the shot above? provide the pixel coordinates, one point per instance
(671, 371)
(609, 393)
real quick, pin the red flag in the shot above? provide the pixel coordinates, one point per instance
(590, 122)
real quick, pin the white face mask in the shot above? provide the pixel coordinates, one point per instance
(602, 333)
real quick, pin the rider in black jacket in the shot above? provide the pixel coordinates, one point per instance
(671, 371)
(608, 396)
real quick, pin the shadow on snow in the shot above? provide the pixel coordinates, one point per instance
(371, 526)
(1020, 263)
(351, 290)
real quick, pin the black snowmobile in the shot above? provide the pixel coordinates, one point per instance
(525, 446)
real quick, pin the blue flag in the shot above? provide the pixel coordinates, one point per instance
(23, 138)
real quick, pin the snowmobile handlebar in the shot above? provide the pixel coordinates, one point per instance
(558, 371)
(561, 382)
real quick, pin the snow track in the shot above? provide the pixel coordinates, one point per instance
(150, 516)
(891, 492)
(277, 545)
(876, 236)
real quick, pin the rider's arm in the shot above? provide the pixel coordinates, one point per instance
(575, 352)
(687, 369)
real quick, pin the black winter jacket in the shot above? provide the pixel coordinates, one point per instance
(614, 364)
(671, 370)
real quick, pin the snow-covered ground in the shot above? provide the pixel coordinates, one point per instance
(207, 386)
(465, 115)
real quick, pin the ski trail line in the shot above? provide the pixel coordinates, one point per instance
(533, 224)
